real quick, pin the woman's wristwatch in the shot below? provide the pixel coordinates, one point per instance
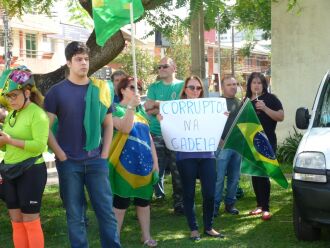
(129, 107)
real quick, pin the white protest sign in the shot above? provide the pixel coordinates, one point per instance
(193, 125)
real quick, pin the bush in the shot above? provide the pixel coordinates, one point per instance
(287, 150)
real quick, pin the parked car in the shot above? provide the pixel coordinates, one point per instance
(311, 167)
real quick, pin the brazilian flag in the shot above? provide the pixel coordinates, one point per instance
(110, 15)
(247, 137)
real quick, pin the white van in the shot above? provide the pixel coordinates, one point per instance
(311, 167)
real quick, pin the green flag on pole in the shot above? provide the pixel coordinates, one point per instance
(247, 137)
(110, 15)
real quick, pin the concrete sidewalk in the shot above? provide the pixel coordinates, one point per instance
(52, 177)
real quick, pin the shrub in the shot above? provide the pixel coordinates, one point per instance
(287, 150)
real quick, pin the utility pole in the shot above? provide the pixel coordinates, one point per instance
(7, 55)
(197, 47)
(232, 50)
(219, 54)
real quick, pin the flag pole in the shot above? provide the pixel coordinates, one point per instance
(133, 45)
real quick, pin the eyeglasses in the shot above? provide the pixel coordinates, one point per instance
(163, 66)
(131, 87)
(192, 87)
(12, 96)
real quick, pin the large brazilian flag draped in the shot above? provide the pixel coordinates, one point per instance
(130, 161)
(247, 137)
(110, 15)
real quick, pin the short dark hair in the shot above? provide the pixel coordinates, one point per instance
(226, 78)
(118, 73)
(250, 79)
(75, 47)
(123, 84)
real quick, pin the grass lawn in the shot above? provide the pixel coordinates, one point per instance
(172, 231)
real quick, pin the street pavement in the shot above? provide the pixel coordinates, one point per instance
(52, 177)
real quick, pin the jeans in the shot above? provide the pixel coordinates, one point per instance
(189, 170)
(228, 163)
(166, 158)
(94, 174)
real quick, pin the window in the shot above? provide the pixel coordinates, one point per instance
(31, 45)
(322, 114)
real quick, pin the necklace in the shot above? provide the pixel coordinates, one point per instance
(13, 118)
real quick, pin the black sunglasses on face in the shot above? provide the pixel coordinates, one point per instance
(132, 87)
(163, 66)
(192, 87)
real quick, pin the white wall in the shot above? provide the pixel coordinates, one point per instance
(300, 55)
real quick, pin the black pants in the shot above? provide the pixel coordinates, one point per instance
(189, 170)
(261, 186)
(123, 202)
(25, 192)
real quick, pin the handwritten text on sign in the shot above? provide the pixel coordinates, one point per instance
(193, 125)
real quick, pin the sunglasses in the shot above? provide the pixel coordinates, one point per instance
(163, 66)
(12, 96)
(132, 87)
(192, 87)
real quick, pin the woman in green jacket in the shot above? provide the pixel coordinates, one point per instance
(24, 139)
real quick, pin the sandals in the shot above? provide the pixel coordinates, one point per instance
(150, 243)
(266, 215)
(256, 211)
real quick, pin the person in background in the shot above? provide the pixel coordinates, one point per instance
(24, 139)
(269, 111)
(115, 78)
(133, 159)
(81, 146)
(193, 165)
(228, 161)
(166, 89)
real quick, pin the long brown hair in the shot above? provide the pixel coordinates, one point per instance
(183, 93)
(35, 96)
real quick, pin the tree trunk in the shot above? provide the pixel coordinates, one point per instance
(99, 56)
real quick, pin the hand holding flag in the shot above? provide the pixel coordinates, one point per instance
(247, 137)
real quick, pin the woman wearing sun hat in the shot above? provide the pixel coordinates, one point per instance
(23, 139)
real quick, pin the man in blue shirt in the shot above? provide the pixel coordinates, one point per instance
(80, 160)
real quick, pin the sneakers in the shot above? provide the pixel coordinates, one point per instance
(231, 209)
(179, 210)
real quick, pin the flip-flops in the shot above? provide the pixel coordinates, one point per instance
(150, 243)
(256, 211)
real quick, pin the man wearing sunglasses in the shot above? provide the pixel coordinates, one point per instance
(166, 89)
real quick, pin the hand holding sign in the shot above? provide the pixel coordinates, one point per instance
(193, 125)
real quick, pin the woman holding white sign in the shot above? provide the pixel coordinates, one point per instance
(193, 165)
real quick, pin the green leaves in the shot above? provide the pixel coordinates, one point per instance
(19, 7)
(287, 150)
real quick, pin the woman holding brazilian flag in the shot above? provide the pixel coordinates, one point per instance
(133, 159)
(254, 128)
